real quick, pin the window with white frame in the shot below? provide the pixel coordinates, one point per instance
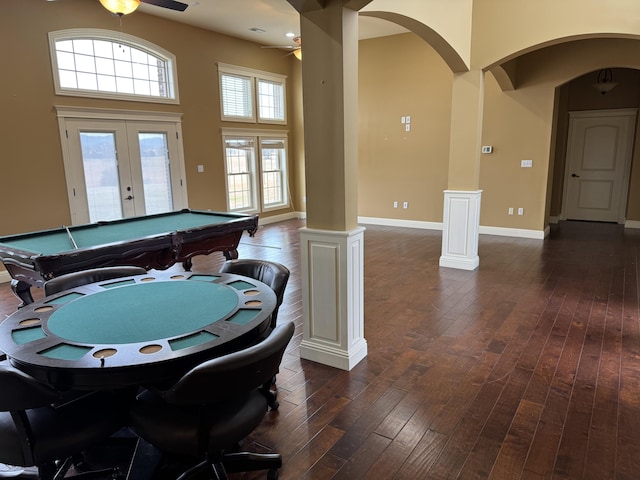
(256, 169)
(107, 64)
(273, 162)
(248, 95)
(241, 179)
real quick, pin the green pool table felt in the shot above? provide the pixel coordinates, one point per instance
(56, 241)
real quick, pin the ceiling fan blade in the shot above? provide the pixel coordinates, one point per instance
(170, 4)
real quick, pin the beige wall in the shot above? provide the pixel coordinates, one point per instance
(504, 28)
(398, 76)
(517, 125)
(33, 194)
(450, 20)
(401, 75)
(522, 121)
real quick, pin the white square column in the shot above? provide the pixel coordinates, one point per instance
(333, 297)
(461, 229)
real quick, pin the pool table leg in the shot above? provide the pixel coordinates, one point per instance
(231, 254)
(228, 254)
(22, 290)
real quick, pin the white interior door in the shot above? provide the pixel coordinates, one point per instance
(598, 164)
(117, 168)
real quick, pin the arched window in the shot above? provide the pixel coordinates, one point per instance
(108, 64)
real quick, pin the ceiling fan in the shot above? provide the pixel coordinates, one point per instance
(296, 51)
(125, 7)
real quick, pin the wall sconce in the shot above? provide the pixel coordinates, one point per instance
(605, 82)
(120, 7)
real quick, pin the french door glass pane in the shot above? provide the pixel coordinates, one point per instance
(156, 174)
(101, 177)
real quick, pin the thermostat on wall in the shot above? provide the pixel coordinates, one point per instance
(487, 149)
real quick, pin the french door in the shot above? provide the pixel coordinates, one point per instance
(119, 168)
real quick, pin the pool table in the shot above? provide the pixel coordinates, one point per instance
(138, 330)
(152, 241)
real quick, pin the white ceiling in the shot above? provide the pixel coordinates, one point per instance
(275, 17)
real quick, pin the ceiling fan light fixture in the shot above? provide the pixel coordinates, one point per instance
(121, 7)
(298, 53)
(604, 82)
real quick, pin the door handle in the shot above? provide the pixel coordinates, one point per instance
(130, 197)
(574, 175)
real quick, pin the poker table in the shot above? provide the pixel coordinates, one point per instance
(152, 241)
(140, 330)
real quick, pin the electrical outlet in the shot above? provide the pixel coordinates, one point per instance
(520, 211)
(510, 210)
(395, 204)
(405, 205)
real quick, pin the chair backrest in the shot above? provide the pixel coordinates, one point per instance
(273, 274)
(75, 279)
(233, 374)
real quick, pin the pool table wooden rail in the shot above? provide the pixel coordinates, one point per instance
(158, 251)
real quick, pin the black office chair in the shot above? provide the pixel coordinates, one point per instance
(214, 406)
(273, 274)
(41, 427)
(83, 277)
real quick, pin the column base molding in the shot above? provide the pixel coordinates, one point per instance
(333, 297)
(461, 229)
(334, 357)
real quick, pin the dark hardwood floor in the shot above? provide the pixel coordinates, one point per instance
(526, 368)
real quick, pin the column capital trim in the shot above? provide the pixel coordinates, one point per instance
(462, 192)
(332, 233)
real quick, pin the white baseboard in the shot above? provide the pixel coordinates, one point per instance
(515, 232)
(394, 222)
(500, 231)
(632, 224)
(281, 218)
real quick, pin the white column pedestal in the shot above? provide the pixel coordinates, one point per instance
(332, 297)
(460, 229)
